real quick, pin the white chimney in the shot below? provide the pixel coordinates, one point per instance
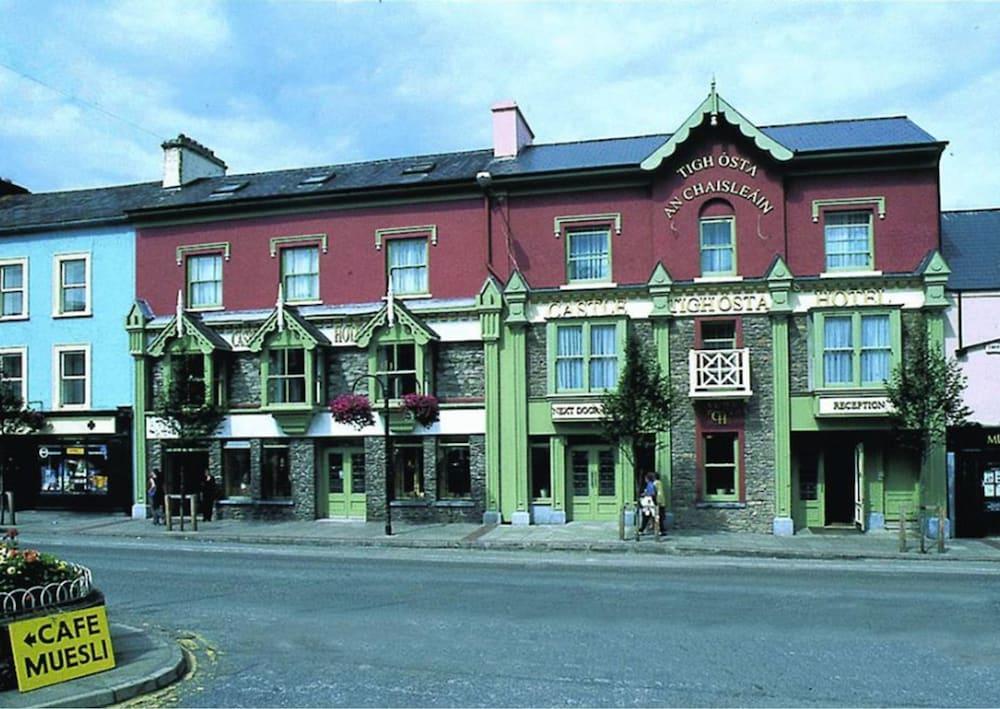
(186, 160)
(510, 131)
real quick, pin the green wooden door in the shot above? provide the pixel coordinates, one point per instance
(346, 475)
(592, 482)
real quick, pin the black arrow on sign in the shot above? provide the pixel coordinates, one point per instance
(29, 639)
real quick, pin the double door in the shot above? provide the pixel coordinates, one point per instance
(346, 476)
(593, 482)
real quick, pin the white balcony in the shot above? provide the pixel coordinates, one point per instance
(720, 374)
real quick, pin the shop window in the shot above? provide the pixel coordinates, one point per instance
(453, 474)
(541, 470)
(12, 378)
(588, 256)
(397, 367)
(72, 285)
(847, 240)
(407, 265)
(73, 372)
(300, 273)
(718, 334)
(718, 246)
(286, 375)
(859, 349)
(408, 471)
(13, 289)
(720, 464)
(204, 281)
(275, 481)
(187, 373)
(74, 469)
(236, 469)
(586, 357)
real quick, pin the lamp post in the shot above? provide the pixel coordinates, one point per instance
(384, 388)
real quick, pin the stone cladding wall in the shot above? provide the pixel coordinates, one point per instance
(459, 371)
(757, 514)
(343, 367)
(798, 354)
(243, 379)
(537, 356)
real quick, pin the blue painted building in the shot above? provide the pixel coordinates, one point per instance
(67, 280)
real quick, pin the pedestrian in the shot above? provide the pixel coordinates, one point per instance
(661, 504)
(208, 493)
(647, 503)
(154, 493)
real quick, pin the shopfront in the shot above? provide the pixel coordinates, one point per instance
(976, 452)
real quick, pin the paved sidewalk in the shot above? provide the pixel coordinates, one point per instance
(575, 536)
(145, 662)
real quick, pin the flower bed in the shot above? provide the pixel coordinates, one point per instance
(30, 579)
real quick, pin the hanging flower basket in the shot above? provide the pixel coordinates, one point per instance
(352, 409)
(423, 408)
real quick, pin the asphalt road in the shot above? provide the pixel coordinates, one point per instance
(277, 626)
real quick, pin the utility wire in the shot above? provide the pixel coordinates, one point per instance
(82, 101)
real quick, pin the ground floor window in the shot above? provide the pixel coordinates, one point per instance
(540, 469)
(236, 469)
(74, 469)
(453, 473)
(408, 470)
(275, 481)
(720, 464)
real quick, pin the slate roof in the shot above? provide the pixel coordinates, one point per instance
(35, 211)
(970, 243)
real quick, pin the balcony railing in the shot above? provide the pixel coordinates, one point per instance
(720, 374)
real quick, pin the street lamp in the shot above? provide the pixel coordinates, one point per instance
(384, 387)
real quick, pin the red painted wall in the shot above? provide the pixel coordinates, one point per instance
(352, 271)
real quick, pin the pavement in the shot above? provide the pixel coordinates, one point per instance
(147, 662)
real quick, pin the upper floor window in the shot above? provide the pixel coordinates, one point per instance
(397, 368)
(300, 273)
(586, 357)
(847, 239)
(13, 289)
(286, 375)
(718, 246)
(718, 334)
(73, 384)
(588, 255)
(12, 377)
(204, 281)
(858, 349)
(72, 285)
(407, 259)
(188, 374)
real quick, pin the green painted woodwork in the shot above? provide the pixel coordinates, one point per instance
(664, 460)
(594, 482)
(557, 459)
(878, 202)
(293, 423)
(199, 337)
(293, 418)
(713, 107)
(514, 492)
(490, 305)
(401, 334)
(779, 283)
(516, 297)
(343, 483)
(803, 410)
(284, 320)
(933, 475)
(782, 416)
(660, 285)
(139, 407)
(416, 330)
(935, 275)
(551, 339)
(895, 332)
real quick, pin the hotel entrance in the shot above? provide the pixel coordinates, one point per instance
(830, 481)
(591, 472)
(345, 474)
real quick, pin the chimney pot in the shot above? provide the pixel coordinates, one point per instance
(511, 131)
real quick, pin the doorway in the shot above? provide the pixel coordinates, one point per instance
(183, 471)
(839, 484)
(592, 482)
(346, 479)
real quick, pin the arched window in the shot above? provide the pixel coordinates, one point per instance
(717, 238)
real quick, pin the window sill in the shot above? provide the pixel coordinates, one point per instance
(7, 318)
(72, 407)
(82, 314)
(250, 502)
(206, 309)
(311, 301)
(411, 296)
(848, 273)
(409, 503)
(719, 279)
(589, 285)
(455, 503)
(720, 505)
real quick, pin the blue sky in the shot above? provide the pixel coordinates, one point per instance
(275, 84)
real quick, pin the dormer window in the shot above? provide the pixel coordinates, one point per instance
(187, 372)
(286, 376)
(397, 366)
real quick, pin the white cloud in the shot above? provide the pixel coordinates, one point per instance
(177, 29)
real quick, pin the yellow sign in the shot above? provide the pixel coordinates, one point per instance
(61, 647)
(74, 451)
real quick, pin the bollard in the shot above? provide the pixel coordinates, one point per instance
(902, 529)
(921, 526)
(621, 524)
(940, 530)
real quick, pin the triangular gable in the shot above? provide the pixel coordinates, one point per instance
(284, 318)
(714, 106)
(421, 333)
(204, 338)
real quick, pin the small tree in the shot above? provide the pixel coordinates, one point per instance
(643, 404)
(16, 419)
(926, 394)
